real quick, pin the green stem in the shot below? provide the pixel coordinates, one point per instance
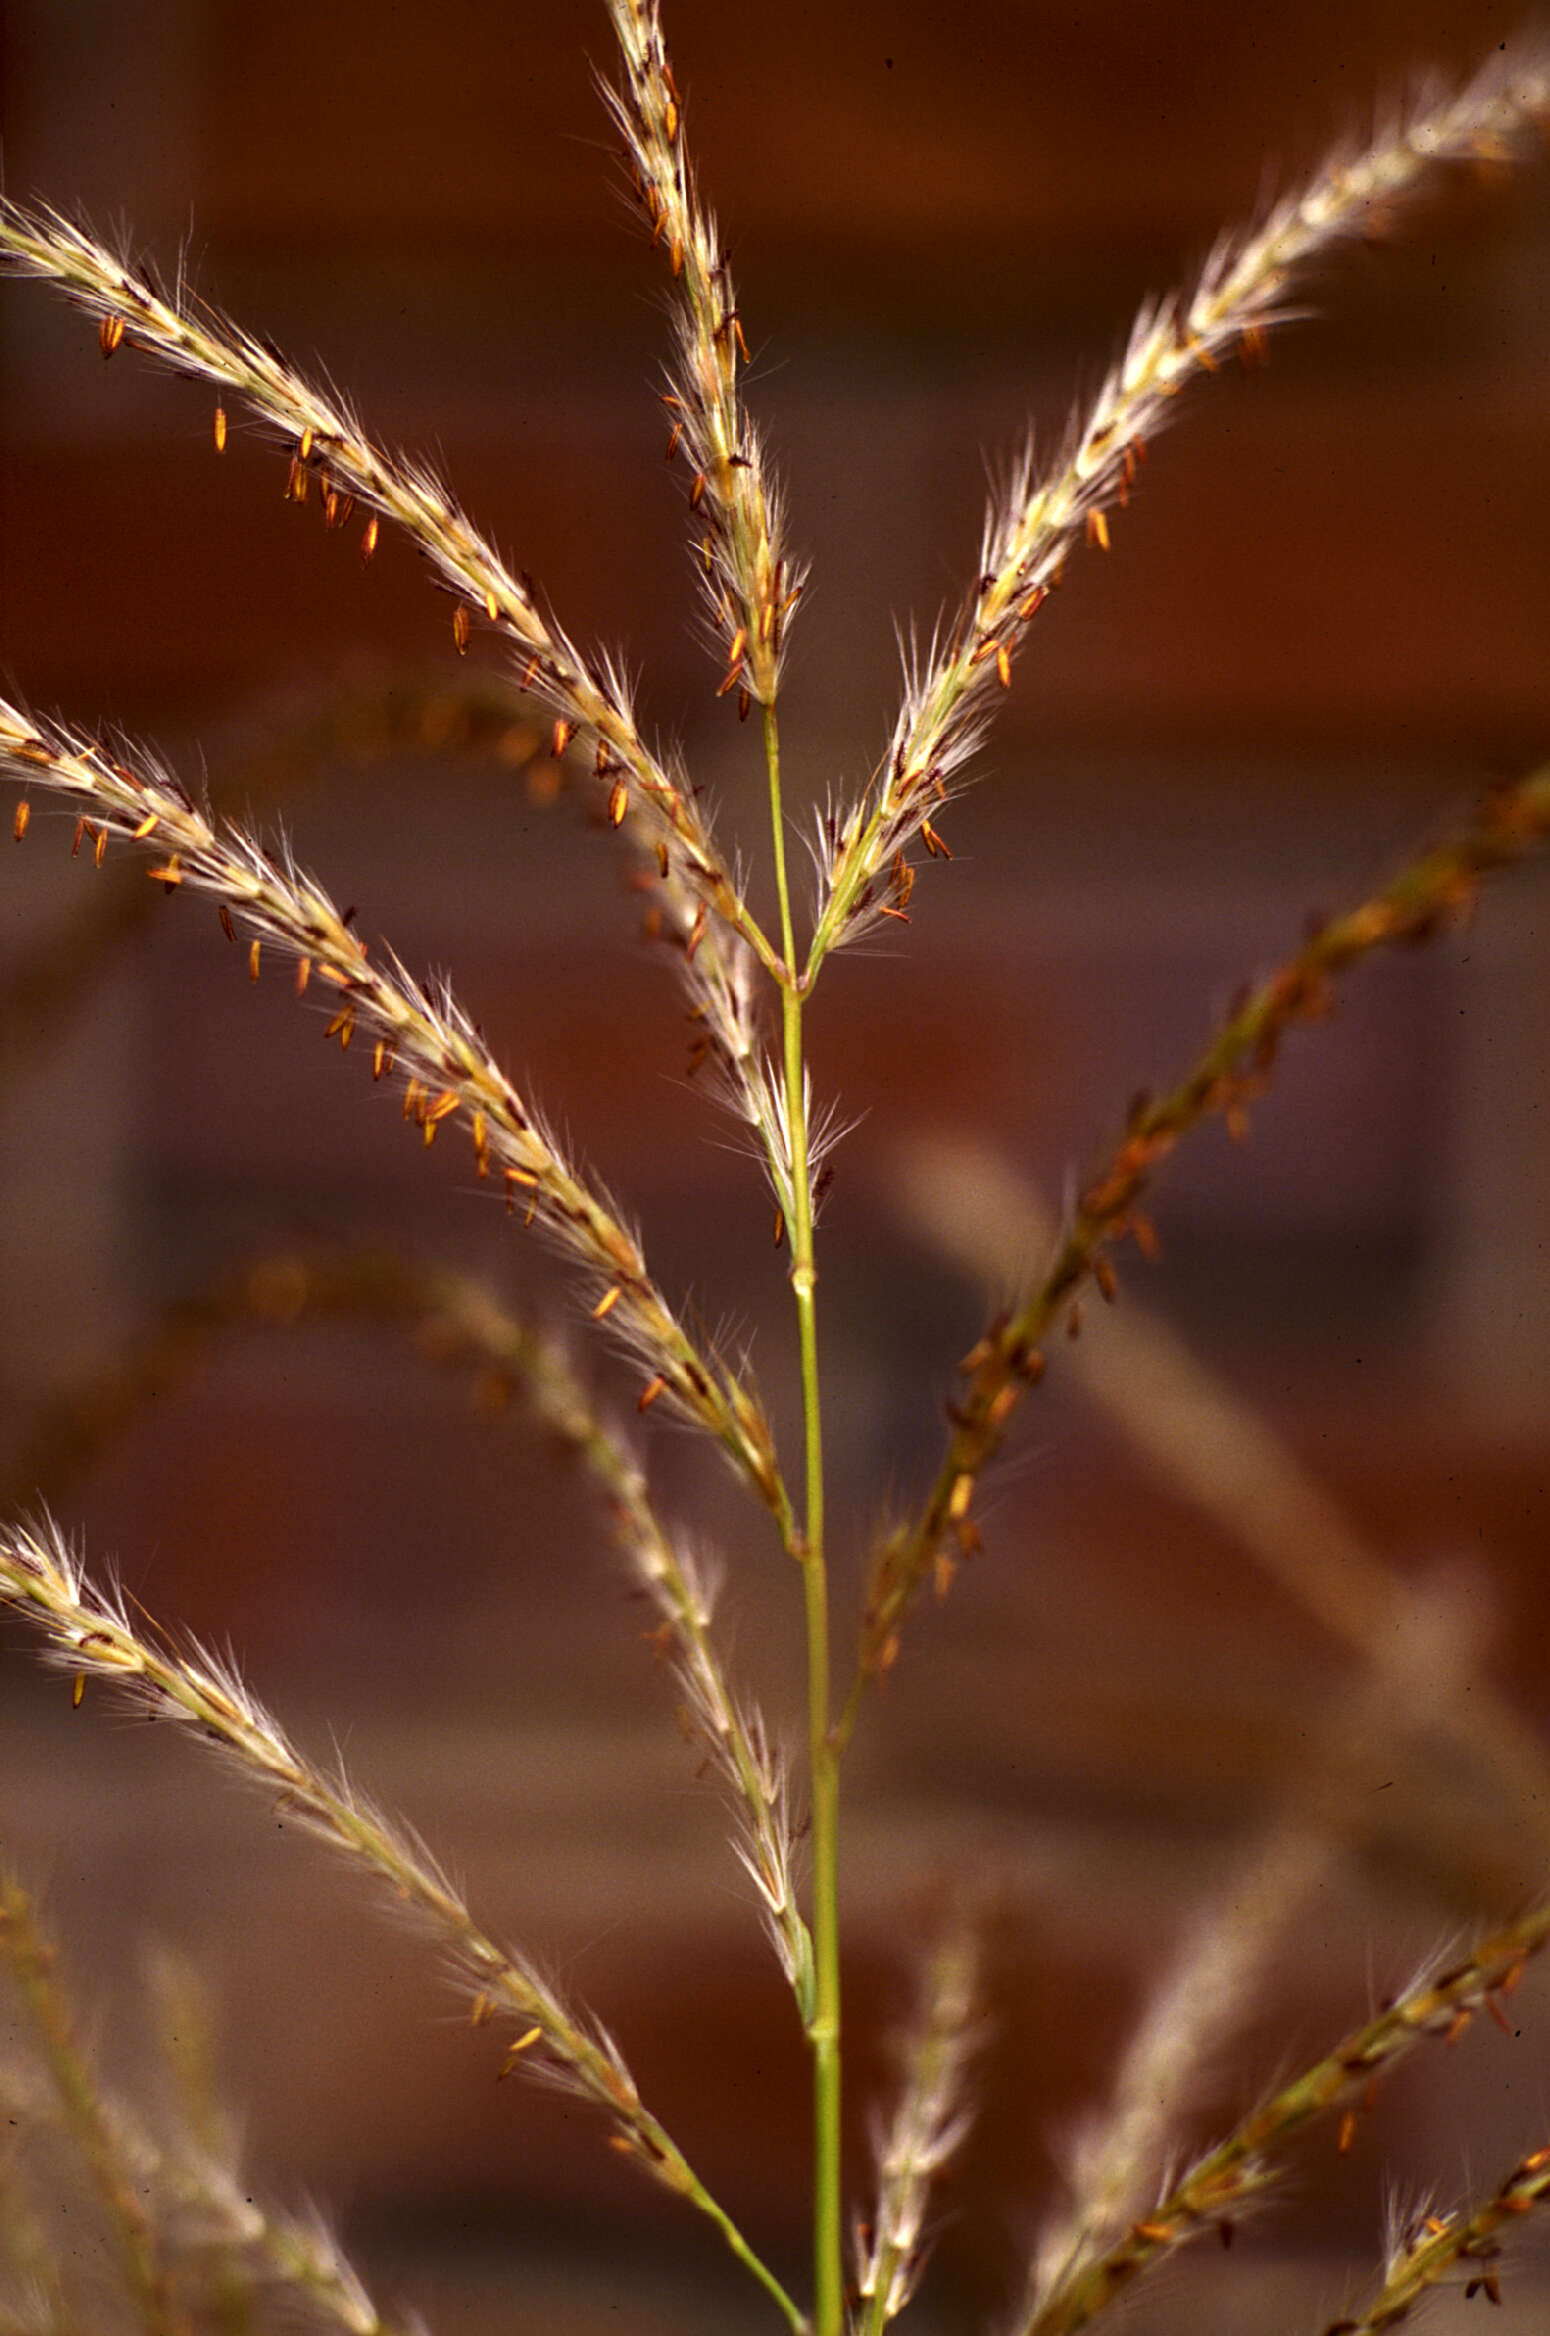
(778, 831)
(796, 2318)
(823, 1759)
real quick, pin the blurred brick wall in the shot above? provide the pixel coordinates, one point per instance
(1322, 622)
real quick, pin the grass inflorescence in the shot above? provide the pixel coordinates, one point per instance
(192, 2249)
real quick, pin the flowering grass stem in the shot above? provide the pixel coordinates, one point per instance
(1244, 290)
(193, 2238)
(1228, 1458)
(422, 1036)
(90, 1633)
(749, 580)
(587, 692)
(929, 2123)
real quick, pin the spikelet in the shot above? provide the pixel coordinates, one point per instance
(1224, 1455)
(114, 2165)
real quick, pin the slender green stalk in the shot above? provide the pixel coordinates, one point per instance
(823, 1756)
(778, 837)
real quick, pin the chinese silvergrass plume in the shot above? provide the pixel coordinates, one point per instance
(110, 2159)
(192, 2250)
(588, 693)
(1117, 2154)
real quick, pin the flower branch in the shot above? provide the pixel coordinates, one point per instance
(1246, 287)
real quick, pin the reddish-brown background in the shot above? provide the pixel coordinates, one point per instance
(1322, 623)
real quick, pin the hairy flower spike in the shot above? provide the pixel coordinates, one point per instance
(926, 2130)
(1431, 2246)
(1030, 527)
(589, 695)
(428, 1035)
(90, 1632)
(748, 577)
(189, 2227)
